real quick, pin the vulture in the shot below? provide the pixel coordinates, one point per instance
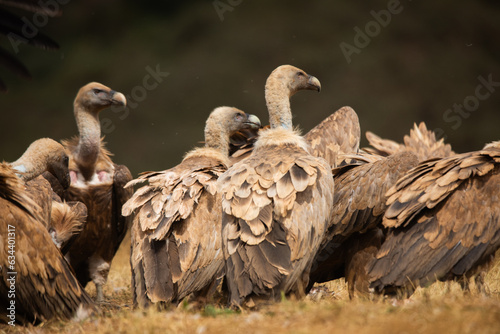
(444, 223)
(421, 141)
(354, 232)
(14, 29)
(98, 183)
(276, 203)
(36, 282)
(176, 233)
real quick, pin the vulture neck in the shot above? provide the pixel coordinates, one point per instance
(278, 104)
(89, 143)
(30, 165)
(216, 137)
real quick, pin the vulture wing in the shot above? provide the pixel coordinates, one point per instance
(421, 142)
(444, 216)
(359, 204)
(338, 134)
(176, 231)
(121, 195)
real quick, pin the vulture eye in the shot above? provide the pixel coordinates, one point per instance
(239, 117)
(300, 74)
(96, 91)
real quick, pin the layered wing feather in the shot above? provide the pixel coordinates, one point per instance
(176, 235)
(444, 216)
(337, 134)
(421, 142)
(358, 206)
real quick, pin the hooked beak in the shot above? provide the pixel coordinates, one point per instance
(313, 83)
(253, 121)
(118, 98)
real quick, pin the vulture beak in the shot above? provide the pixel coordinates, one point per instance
(61, 173)
(118, 98)
(313, 83)
(253, 122)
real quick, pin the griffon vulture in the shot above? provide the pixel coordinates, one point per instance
(98, 183)
(36, 282)
(444, 221)
(176, 241)
(276, 203)
(421, 141)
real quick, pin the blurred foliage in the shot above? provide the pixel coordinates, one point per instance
(427, 59)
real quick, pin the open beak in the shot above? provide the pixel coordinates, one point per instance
(118, 98)
(253, 121)
(313, 83)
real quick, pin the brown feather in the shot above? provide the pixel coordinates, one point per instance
(445, 229)
(45, 283)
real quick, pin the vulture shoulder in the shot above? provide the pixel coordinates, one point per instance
(338, 134)
(444, 220)
(45, 284)
(172, 194)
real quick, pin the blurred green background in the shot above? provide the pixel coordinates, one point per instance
(426, 59)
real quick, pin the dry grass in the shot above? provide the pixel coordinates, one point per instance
(440, 308)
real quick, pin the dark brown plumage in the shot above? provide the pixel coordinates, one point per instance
(354, 231)
(421, 142)
(98, 183)
(33, 273)
(444, 220)
(275, 203)
(176, 243)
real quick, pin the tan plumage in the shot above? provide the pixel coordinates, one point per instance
(421, 142)
(275, 203)
(45, 286)
(444, 219)
(176, 242)
(354, 232)
(337, 134)
(98, 183)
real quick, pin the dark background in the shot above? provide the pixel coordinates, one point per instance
(426, 59)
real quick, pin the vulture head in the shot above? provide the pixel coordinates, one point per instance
(223, 122)
(291, 79)
(44, 155)
(283, 83)
(95, 97)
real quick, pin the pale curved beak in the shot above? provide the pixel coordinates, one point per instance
(253, 121)
(118, 98)
(313, 83)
